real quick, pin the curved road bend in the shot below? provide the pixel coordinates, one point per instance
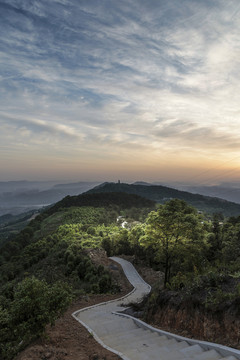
(132, 339)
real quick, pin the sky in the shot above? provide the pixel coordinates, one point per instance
(129, 89)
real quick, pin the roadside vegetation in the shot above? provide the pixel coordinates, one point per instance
(48, 263)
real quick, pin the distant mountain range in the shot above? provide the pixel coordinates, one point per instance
(139, 194)
(160, 194)
(17, 197)
(220, 191)
(20, 196)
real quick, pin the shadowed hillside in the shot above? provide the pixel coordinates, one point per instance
(161, 194)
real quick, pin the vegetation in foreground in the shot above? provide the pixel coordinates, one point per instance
(48, 262)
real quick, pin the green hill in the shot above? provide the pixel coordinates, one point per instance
(57, 256)
(161, 194)
(11, 225)
(122, 199)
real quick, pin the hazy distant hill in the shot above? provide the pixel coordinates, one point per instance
(161, 194)
(229, 191)
(20, 196)
(221, 191)
(17, 197)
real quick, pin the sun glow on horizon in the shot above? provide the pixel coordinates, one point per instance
(134, 89)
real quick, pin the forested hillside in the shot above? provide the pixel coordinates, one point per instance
(10, 225)
(50, 262)
(160, 194)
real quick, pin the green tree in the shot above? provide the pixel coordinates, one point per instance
(122, 244)
(215, 238)
(35, 304)
(107, 245)
(171, 228)
(231, 243)
(134, 237)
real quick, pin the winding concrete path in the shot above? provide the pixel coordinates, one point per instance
(133, 339)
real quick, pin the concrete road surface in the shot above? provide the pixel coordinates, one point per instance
(133, 339)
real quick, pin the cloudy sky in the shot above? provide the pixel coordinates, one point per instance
(129, 89)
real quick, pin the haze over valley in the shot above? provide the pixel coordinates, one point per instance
(17, 197)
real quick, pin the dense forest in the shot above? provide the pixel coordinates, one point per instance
(46, 265)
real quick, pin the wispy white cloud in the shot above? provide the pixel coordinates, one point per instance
(128, 76)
